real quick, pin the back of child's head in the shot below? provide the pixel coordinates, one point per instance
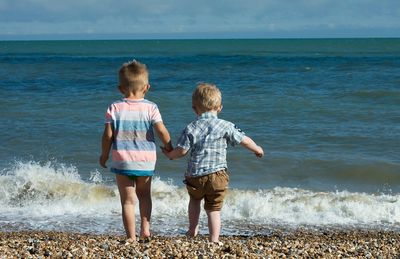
(207, 97)
(133, 76)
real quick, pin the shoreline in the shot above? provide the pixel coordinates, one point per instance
(299, 243)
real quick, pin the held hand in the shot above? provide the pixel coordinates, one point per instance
(175, 153)
(259, 152)
(168, 147)
(102, 161)
(166, 151)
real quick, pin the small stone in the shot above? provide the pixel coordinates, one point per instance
(32, 251)
(105, 246)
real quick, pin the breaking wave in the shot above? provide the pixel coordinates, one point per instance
(55, 197)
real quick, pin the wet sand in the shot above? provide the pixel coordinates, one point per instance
(296, 244)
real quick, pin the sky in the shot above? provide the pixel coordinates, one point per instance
(142, 19)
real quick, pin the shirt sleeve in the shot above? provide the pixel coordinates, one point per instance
(184, 140)
(234, 135)
(155, 115)
(109, 115)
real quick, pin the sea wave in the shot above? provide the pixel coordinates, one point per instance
(384, 95)
(54, 197)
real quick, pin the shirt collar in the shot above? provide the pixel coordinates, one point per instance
(207, 115)
(132, 100)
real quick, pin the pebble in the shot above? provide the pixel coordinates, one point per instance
(105, 247)
(295, 244)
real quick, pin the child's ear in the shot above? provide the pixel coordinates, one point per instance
(220, 109)
(194, 109)
(146, 88)
(121, 89)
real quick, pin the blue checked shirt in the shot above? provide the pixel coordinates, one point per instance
(207, 138)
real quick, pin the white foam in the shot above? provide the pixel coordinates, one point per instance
(53, 197)
(296, 206)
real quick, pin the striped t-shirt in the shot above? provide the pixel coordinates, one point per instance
(133, 147)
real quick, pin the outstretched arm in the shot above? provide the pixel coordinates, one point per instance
(163, 134)
(106, 143)
(252, 146)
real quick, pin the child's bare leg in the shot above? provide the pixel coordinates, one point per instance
(194, 214)
(128, 199)
(214, 224)
(143, 192)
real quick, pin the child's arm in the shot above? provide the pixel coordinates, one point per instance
(252, 146)
(106, 143)
(178, 152)
(164, 136)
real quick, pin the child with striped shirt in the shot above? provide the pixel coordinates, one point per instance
(129, 135)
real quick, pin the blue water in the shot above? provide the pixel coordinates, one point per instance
(326, 112)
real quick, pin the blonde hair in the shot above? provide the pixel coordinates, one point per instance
(133, 76)
(207, 97)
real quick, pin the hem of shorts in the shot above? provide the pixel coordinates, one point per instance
(213, 209)
(133, 172)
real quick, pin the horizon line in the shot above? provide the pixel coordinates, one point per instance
(50, 37)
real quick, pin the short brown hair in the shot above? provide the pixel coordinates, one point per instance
(133, 76)
(207, 97)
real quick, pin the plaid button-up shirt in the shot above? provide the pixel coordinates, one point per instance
(207, 138)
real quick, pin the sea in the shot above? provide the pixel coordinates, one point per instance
(325, 111)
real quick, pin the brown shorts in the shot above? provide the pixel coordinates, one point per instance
(211, 187)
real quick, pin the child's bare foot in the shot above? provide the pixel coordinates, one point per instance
(216, 243)
(145, 239)
(191, 233)
(127, 241)
(145, 234)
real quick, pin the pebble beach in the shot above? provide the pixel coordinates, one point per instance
(295, 244)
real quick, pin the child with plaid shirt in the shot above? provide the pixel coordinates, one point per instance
(206, 176)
